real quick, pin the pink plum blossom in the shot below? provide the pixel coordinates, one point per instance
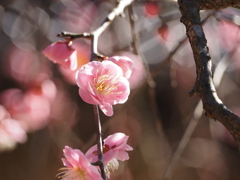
(83, 56)
(138, 72)
(62, 53)
(11, 131)
(103, 84)
(77, 166)
(30, 108)
(125, 63)
(115, 147)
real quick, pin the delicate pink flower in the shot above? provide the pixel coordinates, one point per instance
(13, 128)
(83, 57)
(138, 73)
(62, 53)
(32, 108)
(11, 131)
(77, 166)
(103, 83)
(125, 63)
(115, 147)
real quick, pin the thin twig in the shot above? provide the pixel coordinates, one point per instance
(99, 141)
(220, 69)
(94, 36)
(184, 141)
(151, 83)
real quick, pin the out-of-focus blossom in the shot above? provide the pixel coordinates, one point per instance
(115, 147)
(103, 83)
(229, 34)
(138, 72)
(32, 108)
(30, 71)
(123, 62)
(152, 9)
(163, 31)
(11, 131)
(62, 53)
(77, 166)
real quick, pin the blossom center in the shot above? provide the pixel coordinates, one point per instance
(81, 172)
(106, 83)
(111, 166)
(75, 173)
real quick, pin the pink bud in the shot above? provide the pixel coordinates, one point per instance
(62, 53)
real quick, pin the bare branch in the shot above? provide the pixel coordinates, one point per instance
(218, 4)
(94, 36)
(204, 87)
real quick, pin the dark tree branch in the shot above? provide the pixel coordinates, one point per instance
(204, 87)
(99, 142)
(218, 4)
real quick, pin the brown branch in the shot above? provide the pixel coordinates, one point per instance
(218, 4)
(204, 87)
(94, 36)
(99, 141)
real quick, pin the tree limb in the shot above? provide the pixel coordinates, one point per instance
(218, 4)
(204, 87)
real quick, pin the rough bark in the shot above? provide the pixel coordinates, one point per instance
(218, 4)
(204, 86)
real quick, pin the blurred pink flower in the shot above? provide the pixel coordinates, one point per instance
(30, 71)
(152, 9)
(11, 131)
(229, 33)
(138, 73)
(103, 83)
(31, 108)
(115, 147)
(123, 62)
(77, 166)
(62, 53)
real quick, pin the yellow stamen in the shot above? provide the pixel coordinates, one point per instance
(106, 83)
(75, 173)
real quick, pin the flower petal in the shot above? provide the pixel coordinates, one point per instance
(106, 109)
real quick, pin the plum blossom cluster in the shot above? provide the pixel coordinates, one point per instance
(100, 83)
(24, 111)
(103, 83)
(79, 166)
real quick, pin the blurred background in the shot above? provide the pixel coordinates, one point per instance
(41, 111)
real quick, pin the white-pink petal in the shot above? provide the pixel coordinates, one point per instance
(103, 84)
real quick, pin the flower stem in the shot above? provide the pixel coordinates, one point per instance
(99, 141)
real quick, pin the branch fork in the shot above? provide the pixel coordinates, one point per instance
(204, 87)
